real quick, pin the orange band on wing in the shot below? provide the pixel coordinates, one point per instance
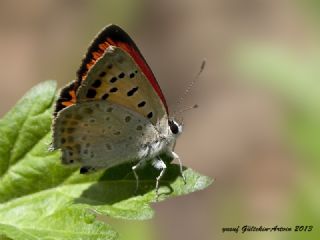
(67, 97)
(72, 94)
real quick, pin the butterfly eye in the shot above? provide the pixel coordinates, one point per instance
(173, 127)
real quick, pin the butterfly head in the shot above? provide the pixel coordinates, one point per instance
(175, 127)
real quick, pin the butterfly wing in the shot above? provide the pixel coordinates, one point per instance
(111, 113)
(116, 78)
(112, 35)
(101, 134)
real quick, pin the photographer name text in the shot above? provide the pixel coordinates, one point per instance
(276, 228)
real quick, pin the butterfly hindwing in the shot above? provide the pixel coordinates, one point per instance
(101, 134)
(116, 78)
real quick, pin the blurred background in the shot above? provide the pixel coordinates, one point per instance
(257, 131)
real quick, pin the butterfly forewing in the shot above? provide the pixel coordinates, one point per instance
(116, 78)
(113, 35)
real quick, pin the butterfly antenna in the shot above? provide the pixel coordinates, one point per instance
(176, 113)
(187, 109)
(187, 91)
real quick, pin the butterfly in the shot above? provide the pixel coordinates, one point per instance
(114, 112)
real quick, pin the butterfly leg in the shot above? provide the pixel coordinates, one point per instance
(134, 168)
(159, 164)
(176, 156)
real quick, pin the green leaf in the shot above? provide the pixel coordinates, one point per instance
(42, 199)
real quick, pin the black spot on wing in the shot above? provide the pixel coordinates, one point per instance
(113, 90)
(102, 74)
(150, 114)
(127, 118)
(96, 84)
(105, 96)
(108, 146)
(142, 104)
(113, 79)
(121, 75)
(132, 91)
(91, 93)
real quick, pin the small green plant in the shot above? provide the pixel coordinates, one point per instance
(42, 199)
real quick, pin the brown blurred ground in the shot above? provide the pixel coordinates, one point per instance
(235, 136)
